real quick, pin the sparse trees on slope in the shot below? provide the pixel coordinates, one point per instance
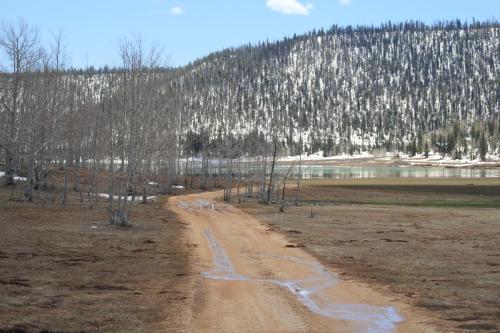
(348, 89)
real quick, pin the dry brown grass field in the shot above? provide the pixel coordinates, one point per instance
(65, 269)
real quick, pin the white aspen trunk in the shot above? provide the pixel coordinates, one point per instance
(299, 178)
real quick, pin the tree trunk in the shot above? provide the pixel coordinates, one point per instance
(144, 193)
(239, 181)
(299, 178)
(30, 181)
(186, 173)
(10, 154)
(268, 199)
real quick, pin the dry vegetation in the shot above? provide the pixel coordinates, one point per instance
(65, 269)
(434, 242)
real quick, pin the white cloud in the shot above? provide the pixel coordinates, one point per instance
(289, 7)
(345, 2)
(176, 10)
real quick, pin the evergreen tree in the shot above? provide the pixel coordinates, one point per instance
(483, 147)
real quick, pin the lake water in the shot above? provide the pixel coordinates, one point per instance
(355, 172)
(311, 171)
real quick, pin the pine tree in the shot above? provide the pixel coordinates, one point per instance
(412, 148)
(483, 147)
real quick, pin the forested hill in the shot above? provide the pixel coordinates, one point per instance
(352, 89)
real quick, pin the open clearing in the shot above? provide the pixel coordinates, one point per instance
(434, 242)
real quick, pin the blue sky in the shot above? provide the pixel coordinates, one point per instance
(190, 29)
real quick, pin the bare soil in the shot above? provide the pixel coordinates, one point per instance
(427, 241)
(256, 280)
(64, 269)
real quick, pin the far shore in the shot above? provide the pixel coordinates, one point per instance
(392, 161)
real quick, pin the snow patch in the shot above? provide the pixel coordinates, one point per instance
(129, 198)
(16, 178)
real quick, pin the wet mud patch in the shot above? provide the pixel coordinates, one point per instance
(309, 291)
(201, 204)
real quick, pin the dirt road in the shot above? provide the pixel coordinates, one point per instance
(254, 280)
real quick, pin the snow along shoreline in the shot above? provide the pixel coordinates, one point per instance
(393, 160)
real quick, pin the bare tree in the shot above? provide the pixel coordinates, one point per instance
(299, 177)
(285, 177)
(136, 97)
(275, 151)
(20, 44)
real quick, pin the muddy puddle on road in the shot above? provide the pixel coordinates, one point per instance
(202, 204)
(309, 291)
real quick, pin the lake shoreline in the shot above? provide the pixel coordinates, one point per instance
(392, 162)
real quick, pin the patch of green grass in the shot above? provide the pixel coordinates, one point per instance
(461, 203)
(426, 203)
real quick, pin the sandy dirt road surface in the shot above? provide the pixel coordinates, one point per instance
(251, 280)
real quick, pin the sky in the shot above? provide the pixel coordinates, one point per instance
(190, 29)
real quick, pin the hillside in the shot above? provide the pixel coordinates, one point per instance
(351, 89)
